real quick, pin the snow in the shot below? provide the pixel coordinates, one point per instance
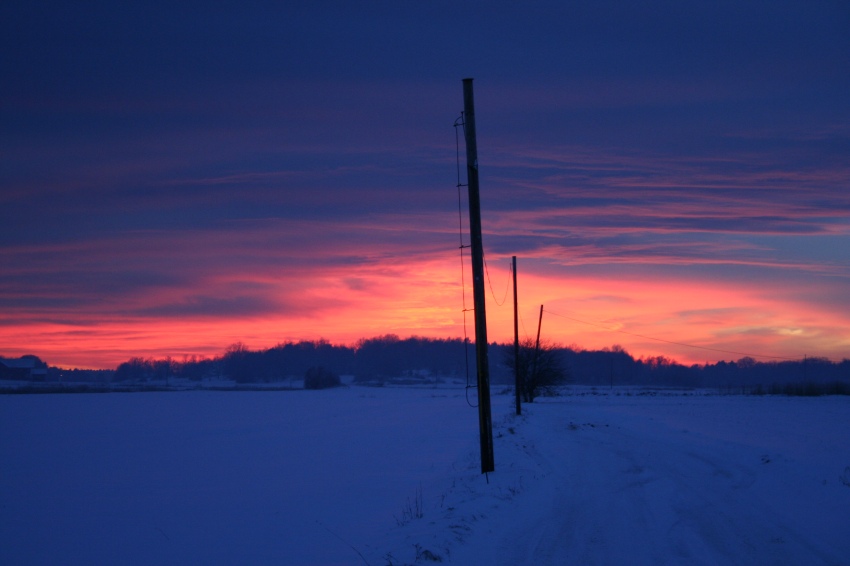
(336, 477)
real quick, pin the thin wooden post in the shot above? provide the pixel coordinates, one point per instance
(517, 377)
(537, 345)
(485, 423)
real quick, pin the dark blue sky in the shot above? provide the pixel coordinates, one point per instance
(177, 177)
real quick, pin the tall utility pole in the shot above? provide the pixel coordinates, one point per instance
(517, 378)
(485, 422)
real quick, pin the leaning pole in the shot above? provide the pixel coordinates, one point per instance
(485, 422)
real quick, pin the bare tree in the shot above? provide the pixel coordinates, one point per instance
(539, 370)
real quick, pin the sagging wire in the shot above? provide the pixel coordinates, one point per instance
(522, 323)
(459, 122)
(507, 286)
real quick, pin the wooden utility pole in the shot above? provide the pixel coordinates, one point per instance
(517, 377)
(485, 422)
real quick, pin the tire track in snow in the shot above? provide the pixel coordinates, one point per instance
(610, 495)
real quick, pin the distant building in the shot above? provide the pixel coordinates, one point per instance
(25, 368)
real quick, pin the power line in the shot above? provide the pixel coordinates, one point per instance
(507, 286)
(460, 122)
(670, 341)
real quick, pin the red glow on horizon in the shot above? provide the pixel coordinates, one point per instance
(424, 299)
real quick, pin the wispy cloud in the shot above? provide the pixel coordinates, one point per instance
(287, 173)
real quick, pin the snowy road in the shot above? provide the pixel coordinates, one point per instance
(621, 497)
(673, 481)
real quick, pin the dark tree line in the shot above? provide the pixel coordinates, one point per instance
(615, 366)
(388, 357)
(379, 358)
(284, 361)
(149, 369)
(243, 365)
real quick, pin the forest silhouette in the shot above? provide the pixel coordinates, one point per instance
(389, 358)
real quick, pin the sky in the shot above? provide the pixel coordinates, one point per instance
(175, 177)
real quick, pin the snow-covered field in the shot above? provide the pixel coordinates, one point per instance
(391, 476)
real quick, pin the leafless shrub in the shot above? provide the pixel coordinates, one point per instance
(413, 509)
